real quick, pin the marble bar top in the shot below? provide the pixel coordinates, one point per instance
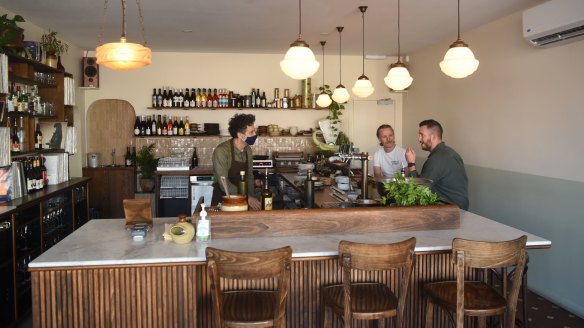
(106, 242)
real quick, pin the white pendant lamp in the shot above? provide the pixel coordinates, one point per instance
(340, 95)
(299, 62)
(459, 61)
(323, 100)
(124, 55)
(398, 78)
(363, 87)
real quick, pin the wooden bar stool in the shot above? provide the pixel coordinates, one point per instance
(477, 298)
(249, 307)
(137, 210)
(369, 300)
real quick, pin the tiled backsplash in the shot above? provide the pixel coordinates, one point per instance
(183, 146)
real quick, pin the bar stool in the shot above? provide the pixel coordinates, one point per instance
(477, 298)
(137, 210)
(369, 300)
(249, 307)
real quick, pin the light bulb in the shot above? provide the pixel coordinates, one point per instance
(459, 61)
(324, 100)
(299, 62)
(341, 95)
(363, 87)
(398, 78)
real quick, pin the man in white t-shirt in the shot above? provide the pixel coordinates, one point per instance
(390, 158)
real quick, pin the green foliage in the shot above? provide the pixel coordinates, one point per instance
(51, 44)
(9, 29)
(335, 109)
(406, 193)
(146, 161)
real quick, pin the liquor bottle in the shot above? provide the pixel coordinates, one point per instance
(37, 174)
(154, 98)
(242, 184)
(148, 126)
(187, 126)
(187, 99)
(128, 157)
(181, 127)
(193, 98)
(164, 126)
(164, 97)
(158, 126)
(159, 99)
(194, 158)
(266, 195)
(209, 99)
(198, 98)
(175, 127)
(253, 98)
(137, 126)
(258, 99)
(16, 145)
(169, 126)
(215, 102)
(263, 102)
(204, 98)
(38, 138)
(142, 125)
(180, 98)
(153, 125)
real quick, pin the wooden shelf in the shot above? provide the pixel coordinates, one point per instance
(230, 108)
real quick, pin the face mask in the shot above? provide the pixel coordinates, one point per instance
(251, 140)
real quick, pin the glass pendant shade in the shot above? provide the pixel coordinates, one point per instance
(398, 78)
(341, 94)
(299, 62)
(323, 100)
(459, 61)
(123, 55)
(363, 87)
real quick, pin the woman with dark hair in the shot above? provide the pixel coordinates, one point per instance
(235, 155)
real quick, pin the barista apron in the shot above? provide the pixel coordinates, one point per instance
(232, 174)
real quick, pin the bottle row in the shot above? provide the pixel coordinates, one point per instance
(167, 97)
(35, 173)
(26, 99)
(161, 125)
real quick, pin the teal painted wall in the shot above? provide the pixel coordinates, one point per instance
(547, 207)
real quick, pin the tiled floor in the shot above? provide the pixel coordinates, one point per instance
(542, 314)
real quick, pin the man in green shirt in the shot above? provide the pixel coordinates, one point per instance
(444, 166)
(235, 155)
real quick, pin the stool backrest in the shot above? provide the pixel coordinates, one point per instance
(137, 210)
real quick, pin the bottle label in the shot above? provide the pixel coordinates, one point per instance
(203, 230)
(268, 203)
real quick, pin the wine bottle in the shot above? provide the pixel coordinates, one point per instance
(187, 99)
(175, 127)
(187, 126)
(181, 127)
(153, 125)
(253, 98)
(16, 145)
(194, 158)
(164, 126)
(198, 98)
(148, 126)
(158, 126)
(209, 99)
(38, 138)
(44, 175)
(204, 98)
(128, 157)
(266, 195)
(215, 103)
(142, 125)
(258, 99)
(159, 99)
(154, 98)
(180, 98)
(164, 97)
(193, 98)
(263, 103)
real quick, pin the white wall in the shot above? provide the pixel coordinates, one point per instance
(517, 124)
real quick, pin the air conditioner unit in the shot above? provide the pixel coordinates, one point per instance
(553, 23)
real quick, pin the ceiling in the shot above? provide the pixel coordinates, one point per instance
(264, 26)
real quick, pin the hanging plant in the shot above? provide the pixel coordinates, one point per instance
(51, 45)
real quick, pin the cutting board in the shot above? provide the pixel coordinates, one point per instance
(110, 125)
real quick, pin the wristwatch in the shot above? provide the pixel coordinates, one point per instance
(411, 164)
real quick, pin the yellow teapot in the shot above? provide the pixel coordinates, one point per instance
(182, 232)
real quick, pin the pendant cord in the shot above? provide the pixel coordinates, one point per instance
(300, 19)
(340, 58)
(123, 18)
(458, 19)
(363, 58)
(398, 32)
(103, 15)
(141, 22)
(323, 43)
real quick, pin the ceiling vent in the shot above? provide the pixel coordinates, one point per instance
(554, 23)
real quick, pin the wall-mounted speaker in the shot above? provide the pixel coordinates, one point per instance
(90, 72)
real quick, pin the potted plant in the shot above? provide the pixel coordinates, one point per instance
(330, 127)
(10, 33)
(401, 191)
(53, 48)
(146, 163)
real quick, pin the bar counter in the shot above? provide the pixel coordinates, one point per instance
(100, 276)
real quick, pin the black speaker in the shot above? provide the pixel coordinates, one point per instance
(90, 72)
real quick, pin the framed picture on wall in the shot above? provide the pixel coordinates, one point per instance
(54, 134)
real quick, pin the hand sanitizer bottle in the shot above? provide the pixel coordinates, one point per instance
(203, 226)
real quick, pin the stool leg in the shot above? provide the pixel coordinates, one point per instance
(524, 294)
(429, 313)
(482, 322)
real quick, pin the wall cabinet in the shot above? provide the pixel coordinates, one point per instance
(37, 222)
(110, 185)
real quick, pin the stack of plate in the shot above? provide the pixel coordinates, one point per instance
(263, 130)
(194, 128)
(274, 130)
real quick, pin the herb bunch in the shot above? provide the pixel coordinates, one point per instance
(408, 193)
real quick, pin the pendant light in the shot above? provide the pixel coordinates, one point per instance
(299, 62)
(323, 100)
(459, 61)
(363, 87)
(398, 77)
(340, 95)
(124, 55)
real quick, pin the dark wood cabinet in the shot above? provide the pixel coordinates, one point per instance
(36, 222)
(109, 187)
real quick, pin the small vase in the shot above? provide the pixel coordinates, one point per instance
(51, 59)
